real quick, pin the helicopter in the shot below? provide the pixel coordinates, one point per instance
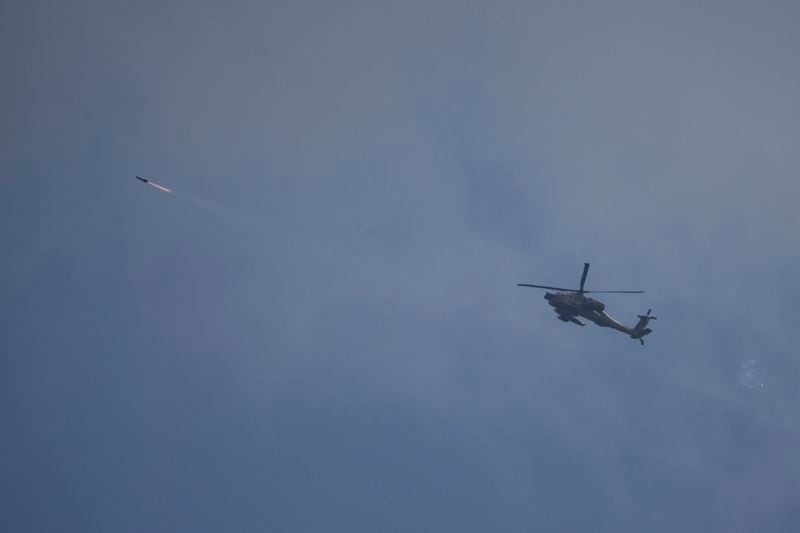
(571, 303)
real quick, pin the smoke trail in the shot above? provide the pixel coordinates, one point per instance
(367, 265)
(254, 225)
(251, 224)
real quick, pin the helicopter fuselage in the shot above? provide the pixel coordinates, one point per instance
(570, 305)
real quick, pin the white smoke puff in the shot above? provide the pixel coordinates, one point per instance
(752, 374)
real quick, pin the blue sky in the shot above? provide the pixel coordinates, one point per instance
(323, 332)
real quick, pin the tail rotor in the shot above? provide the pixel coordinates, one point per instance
(647, 316)
(641, 328)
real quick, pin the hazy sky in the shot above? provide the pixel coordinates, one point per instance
(322, 332)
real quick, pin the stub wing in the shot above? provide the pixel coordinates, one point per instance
(570, 318)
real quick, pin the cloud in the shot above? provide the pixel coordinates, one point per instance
(412, 164)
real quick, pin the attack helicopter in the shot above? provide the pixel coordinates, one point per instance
(571, 303)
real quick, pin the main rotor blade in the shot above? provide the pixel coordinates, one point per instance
(545, 287)
(616, 292)
(583, 276)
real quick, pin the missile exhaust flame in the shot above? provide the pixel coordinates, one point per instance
(154, 184)
(160, 188)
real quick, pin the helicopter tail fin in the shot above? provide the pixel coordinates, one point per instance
(641, 329)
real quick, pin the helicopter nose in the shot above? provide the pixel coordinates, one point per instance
(547, 296)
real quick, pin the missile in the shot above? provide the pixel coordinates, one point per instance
(154, 184)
